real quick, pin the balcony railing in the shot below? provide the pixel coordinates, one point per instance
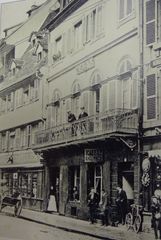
(115, 121)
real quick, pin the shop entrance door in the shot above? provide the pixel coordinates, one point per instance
(126, 178)
(54, 189)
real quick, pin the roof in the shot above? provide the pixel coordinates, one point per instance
(49, 18)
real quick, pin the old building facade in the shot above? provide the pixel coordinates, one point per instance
(23, 56)
(92, 65)
(100, 57)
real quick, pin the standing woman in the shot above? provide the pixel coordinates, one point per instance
(92, 204)
(156, 216)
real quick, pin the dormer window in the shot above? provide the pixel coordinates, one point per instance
(33, 42)
(14, 71)
(39, 56)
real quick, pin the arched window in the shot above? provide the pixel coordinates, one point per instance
(125, 83)
(76, 98)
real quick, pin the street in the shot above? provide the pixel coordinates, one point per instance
(12, 228)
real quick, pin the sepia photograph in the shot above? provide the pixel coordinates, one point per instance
(80, 119)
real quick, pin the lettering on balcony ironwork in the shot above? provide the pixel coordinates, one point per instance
(85, 66)
(93, 155)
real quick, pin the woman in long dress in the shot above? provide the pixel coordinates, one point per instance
(52, 201)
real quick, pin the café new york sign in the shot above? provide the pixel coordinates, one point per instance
(93, 155)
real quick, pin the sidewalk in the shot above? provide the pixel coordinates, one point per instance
(83, 227)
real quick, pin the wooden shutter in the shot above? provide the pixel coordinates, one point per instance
(63, 45)
(12, 101)
(150, 21)
(151, 97)
(104, 98)
(6, 141)
(0, 142)
(134, 95)
(112, 95)
(84, 100)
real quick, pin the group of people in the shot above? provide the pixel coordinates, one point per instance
(104, 206)
(72, 119)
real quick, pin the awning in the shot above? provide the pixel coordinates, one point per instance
(29, 165)
(155, 153)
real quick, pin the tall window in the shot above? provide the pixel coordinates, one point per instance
(74, 183)
(125, 8)
(126, 85)
(76, 99)
(78, 33)
(59, 46)
(56, 108)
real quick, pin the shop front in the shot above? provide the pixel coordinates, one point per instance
(25, 175)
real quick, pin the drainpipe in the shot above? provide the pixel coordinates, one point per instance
(141, 97)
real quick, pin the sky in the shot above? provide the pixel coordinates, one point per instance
(13, 12)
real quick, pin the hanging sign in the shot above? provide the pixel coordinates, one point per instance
(93, 155)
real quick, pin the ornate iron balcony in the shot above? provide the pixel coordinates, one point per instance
(117, 121)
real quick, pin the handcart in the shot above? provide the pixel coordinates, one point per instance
(14, 200)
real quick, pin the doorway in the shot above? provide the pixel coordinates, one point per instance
(126, 179)
(54, 186)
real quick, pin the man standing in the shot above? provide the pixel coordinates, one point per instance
(121, 202)
(71, 119)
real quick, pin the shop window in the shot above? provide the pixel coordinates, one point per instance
(30, 184)
(10, 182)
(74, 183)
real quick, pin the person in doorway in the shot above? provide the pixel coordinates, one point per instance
(104, 208)
(156, 216)
(52, 201)
(92, 204)
(71, 119)
(57, 193)
(121, 202)
(75, 193)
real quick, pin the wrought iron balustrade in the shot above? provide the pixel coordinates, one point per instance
(117, 120)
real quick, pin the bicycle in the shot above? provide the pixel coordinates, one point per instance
(133, 218)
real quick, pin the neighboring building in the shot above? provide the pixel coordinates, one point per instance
(22, 69)
(151, 167)
(94, 62)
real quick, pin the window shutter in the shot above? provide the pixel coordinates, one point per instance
(99, 20)
(63, 45)
(84, 98)
(27, 136)
(69, 41)
(0, 142)
(150, 21)
(49, 115)
(104, 97)
(151, 96)
(12, 100)
(134, 98)
(112, 95)
(6, 141)
(121, 9)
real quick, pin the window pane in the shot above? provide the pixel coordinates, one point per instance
(129, 6)
(121, 9)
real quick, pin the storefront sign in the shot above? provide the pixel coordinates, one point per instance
(93, 155)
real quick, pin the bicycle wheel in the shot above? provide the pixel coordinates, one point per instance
(129, 220)
(137, 223)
